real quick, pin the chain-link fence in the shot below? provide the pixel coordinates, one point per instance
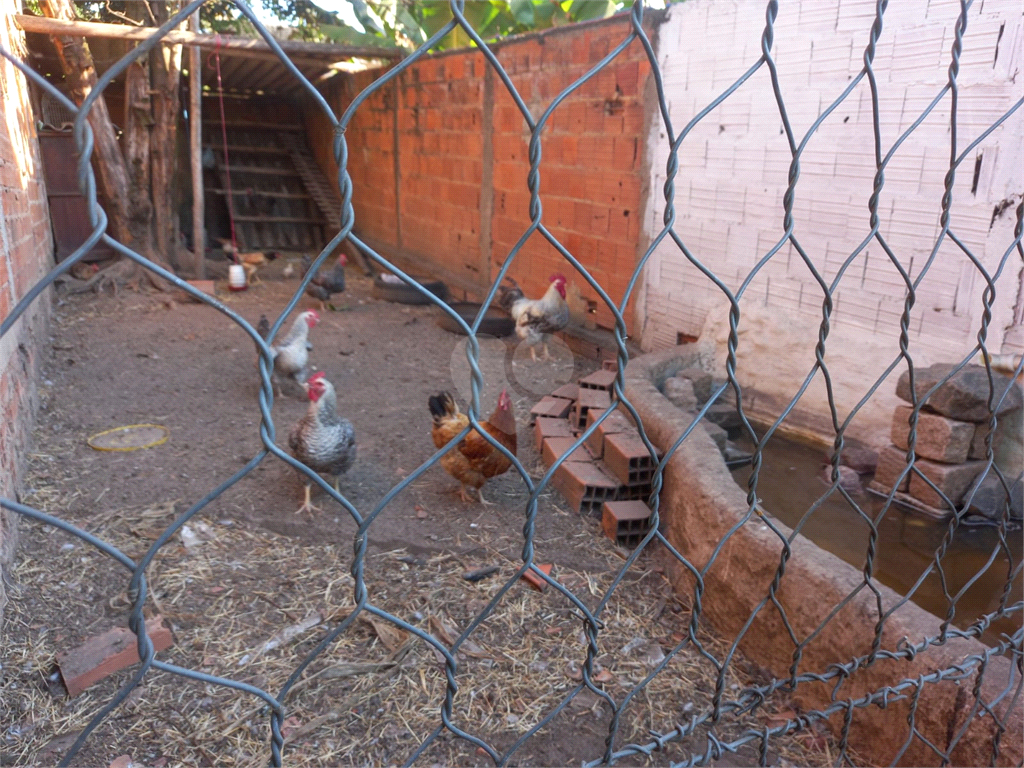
(841, 712)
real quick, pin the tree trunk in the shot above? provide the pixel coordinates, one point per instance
(111, 175)
(129, 213)
(165, 71)
(139, 120)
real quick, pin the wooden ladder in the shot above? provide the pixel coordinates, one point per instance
(321, 190)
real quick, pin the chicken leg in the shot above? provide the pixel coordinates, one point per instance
(485, 502)
(307, 505)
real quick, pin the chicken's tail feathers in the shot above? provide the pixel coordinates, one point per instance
(442, 405)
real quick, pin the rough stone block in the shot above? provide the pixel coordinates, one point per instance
(990, 499)
(585, 486)
(555, 447)
(552, 407)
(725, 415)
(626, 522)
(938, 438)
(547, 427)
(680, 393)
(952, 479)
(891, 462)
(108, 653)
(598, 380)
(716, 433)
(701, 381)
(596, 399)
(965, 395)
(628, 459)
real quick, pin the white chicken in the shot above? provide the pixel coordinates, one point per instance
(291, 354)
(537, 319)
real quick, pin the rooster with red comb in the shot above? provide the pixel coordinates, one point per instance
(322, 440)
(537, 319)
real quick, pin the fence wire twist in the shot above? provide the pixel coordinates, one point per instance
(749, 698)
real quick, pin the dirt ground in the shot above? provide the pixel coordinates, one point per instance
(257, 568)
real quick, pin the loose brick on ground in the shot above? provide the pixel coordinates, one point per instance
(598, 380)
(938, 438)
(567, 392)
(615, 423)
(107, 653)
(552, 407)
(626, 522)
(589, 398)
(585, 486)
(548, 427)
(627, 458)
(555, 447)
(534, 580)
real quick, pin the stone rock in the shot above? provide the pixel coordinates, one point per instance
(952, 479)
(849, 478)
(965, 396)
(1007, 445)
(990, 498)
(716, 433)
(701, 381)
(891, 462)
(679, 392)
(733, 453)
(857, 456)
(724, 415)
(938, 438)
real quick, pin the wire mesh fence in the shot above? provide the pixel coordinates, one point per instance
(592, 618)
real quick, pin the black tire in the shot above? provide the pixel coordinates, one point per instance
(402, 293)
(495, 323)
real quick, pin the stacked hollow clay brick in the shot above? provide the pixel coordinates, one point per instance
(611, 473)
(950, 446)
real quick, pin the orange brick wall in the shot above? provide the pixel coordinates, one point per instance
(457, 200)
(26, 252)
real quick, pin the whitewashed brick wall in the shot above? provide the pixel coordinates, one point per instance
(732, 176)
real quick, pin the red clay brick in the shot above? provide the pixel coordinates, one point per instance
(554, 447)
(552, 407)
(107, 653)
(585, 486)
(626, 522)
(599, 380)
(614, 424)
(628, 458)
(589, 398)
(567, 392)
(547, 427)
(536, 581)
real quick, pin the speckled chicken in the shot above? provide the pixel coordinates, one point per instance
(537, 319)
(325, 282)
(322, 440)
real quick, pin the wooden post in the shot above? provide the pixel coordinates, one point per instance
(195, 124)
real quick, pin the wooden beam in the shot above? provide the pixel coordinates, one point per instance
(259, 169)
(195, 124)
(280, 219)
(232, 43)
(233, 148)
(256, 193)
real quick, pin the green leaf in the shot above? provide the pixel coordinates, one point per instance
(523, 11)
(585, 10)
